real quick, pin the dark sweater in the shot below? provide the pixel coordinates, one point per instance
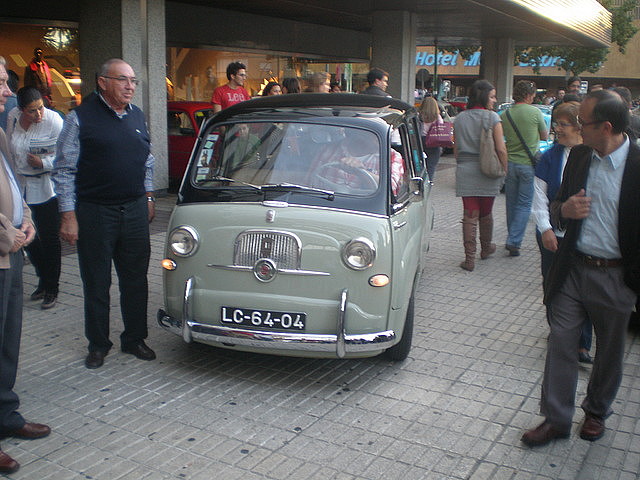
(113, 152)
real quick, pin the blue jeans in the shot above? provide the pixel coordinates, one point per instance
(519, 194)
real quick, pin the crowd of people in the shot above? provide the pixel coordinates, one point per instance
(583, 191)
(88, 179)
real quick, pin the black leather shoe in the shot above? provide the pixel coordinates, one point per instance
(49, 301)
(8, 464)
(95, 359)
(38, 294)
(542, 434)
(592, 428)
(140, 350)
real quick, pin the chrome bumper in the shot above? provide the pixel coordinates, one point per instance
(341, 344)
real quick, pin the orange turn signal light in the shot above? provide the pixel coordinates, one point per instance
(168, 264)
(380, 280)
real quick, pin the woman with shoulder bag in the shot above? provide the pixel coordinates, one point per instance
(478, 191)
(430, 113)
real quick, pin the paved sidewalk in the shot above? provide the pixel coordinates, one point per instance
(455, 409)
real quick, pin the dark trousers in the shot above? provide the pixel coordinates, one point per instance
(45, 250)
(601, 295)
(118, 233)
(10, 330)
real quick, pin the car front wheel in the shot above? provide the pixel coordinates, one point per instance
(400, 351)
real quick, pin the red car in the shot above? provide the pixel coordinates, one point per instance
(460, 103)
(184, 120)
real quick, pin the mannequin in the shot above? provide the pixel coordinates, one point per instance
(37, 74)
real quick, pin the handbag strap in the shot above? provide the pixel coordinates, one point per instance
(526, 148)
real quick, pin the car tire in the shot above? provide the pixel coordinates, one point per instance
(400, 351)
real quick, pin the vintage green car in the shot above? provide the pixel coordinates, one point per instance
(300, 228)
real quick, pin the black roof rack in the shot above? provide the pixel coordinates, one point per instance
(313, 100)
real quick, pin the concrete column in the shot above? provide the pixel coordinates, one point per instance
(394, 50)
(497, 63)
(133, 30)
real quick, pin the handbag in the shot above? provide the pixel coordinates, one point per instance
(490, 164)
(439, 135)
(532, 158)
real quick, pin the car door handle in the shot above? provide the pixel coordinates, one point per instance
(398, 226)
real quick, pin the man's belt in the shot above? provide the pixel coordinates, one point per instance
(592, 261)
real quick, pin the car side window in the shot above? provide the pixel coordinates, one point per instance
(179, 123)
(400, 167)
(415, 145)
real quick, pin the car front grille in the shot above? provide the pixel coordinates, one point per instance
(282, 248)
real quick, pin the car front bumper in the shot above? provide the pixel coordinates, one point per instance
(339, 344)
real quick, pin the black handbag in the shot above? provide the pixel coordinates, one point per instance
(533, 158)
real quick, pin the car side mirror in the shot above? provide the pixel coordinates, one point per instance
(416, 187)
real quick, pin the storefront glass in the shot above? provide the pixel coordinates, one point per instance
(60, 49)
(193, 73)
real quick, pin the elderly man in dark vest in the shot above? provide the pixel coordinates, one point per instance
(596, 271)
(103, 176)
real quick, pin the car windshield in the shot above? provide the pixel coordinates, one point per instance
(314, 158)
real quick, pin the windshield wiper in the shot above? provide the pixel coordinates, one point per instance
(227, 179)
(292, 186)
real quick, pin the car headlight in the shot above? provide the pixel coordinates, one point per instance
(359, 254)
(183, 241)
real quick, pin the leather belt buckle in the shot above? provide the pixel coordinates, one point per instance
(599, 262)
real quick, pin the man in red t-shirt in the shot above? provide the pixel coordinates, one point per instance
(233, 92)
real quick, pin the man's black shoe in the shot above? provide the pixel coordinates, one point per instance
(95, 359)
(49, 301)
(140, 350)
(38, 294)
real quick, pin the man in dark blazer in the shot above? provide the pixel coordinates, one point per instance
(596, 271)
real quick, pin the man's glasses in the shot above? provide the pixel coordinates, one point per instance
(122, 79)
(241, 74)
(582, 123)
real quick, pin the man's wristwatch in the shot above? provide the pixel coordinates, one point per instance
(151, 199)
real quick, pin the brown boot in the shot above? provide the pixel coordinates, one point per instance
(469, 225)
(485, 225)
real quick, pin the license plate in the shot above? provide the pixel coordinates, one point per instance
(263, 318)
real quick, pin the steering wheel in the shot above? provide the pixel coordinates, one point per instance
(361, 179)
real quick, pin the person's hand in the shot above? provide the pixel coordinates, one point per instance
(549, 240)
(18, 241)
(30, 231)
(34, 160)
(152, 211)
(577, 206)
(69, 227)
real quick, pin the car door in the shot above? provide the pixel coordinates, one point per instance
(408, 216)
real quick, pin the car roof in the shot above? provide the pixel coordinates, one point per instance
(320, 104)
